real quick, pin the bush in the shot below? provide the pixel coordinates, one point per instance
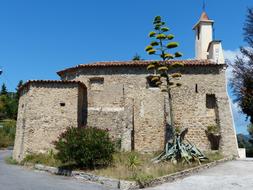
(7, 133)
(86, 147)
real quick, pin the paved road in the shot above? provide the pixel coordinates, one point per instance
(234, 175)
(18, 178)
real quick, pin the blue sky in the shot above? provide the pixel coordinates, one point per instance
(38, 38)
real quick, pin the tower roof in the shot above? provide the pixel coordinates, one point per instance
(203, 18)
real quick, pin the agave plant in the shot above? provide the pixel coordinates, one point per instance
(180, 149)
(162, 45)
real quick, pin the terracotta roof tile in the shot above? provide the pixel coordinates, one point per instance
(50, 82)
(204, 17)
(192, 62)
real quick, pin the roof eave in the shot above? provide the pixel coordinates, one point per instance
(202, 21)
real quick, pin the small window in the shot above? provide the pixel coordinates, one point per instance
(198, 31)
(96, 83)
(210, 101)
(150, 83)
(196, 88)
(62, 104)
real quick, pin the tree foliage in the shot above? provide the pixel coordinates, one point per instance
(3, 90)
(8, 103)
(242, 81)
(136, 57)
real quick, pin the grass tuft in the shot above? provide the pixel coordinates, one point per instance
(48, 159)
(10, 160)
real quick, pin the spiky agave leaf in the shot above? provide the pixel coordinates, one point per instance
(152, 34)
(160, 36)
(178, 150)
(148, 48)
(150, 66)
(175, 75)
(172, 45)
(154, 43)
(165, 29)
(163, 68)
(178, 54)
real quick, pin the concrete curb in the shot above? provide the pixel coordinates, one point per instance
(109, 182)
(182, 174)
(128, 185)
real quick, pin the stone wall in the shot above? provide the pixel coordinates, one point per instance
(45, 111)
(109, 87)
(124, 94)
(120, 100)
(191, 111)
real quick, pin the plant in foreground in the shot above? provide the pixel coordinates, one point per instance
(164, 73)
(85, 147)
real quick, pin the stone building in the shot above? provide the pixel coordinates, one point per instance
(119, 96)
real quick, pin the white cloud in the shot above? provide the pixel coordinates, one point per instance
(230, 55)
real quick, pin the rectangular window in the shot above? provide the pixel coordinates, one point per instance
(198, 31)
(210, 101)
(96, 83)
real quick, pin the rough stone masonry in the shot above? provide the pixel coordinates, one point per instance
(120, 97)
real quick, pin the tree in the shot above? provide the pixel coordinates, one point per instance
(20, 83)
(250, 130)
(163, 73)
(136, 57)
(242, 81)
(4, 90)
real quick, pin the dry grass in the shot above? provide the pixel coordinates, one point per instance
(46, 159)
(126, 165)
(144, 169)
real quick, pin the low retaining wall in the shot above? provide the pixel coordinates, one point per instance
(128, 185)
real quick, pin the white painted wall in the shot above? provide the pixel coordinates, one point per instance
(216, 53)
(205, 37)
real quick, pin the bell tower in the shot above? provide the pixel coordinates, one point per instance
(203, 36)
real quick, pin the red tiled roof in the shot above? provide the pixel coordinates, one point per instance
(192, 62)
(50, 82)
(204, 17)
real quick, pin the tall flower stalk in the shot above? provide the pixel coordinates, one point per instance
(162, 45)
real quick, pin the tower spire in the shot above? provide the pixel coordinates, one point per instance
(204, 6)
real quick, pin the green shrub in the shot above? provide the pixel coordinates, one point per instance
(85, 147)
(7, 133)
